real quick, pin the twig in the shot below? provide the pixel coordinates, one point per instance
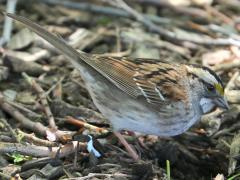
(234, 151)
(53, 87)
(22, 108)
(109, 165)
(230, 85)
(102, 175)
(75, 156)
(83, 38)
(118, 54)
(224, 131)
(35, 140)
(6, 138)
(82, 124)
(39, 151)
(118, 40)
(12, 132)
(7, 28)
(219, 29)
(212, 122)
(24, 121)
(63, 109)
(27, 57)
(16, 62)
(230, 3)
(220, 15)
(233, 96)
(151, 41)
(43, 100)
(191, 11)
(226, 66)
(188, 153)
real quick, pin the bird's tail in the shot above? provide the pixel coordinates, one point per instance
(74, 56)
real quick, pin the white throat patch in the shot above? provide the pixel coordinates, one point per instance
(206, 104)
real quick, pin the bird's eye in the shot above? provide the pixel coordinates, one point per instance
(210, 88)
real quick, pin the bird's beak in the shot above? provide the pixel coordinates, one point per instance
(221, 102)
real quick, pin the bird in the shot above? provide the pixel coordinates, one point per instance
(150, 96)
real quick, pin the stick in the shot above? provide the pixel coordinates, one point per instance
(82, 124)
(43, 100)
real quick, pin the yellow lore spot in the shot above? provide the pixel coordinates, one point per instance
(219, 89)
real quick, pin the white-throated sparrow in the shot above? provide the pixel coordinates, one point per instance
(144, 95)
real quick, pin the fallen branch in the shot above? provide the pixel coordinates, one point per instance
(31, 138)
(39, 151)
(82, 124)
(191, 11)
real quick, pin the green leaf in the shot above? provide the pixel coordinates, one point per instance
(19, 158)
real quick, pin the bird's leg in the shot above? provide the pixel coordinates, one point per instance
(128, 147)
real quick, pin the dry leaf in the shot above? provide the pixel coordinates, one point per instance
(219, 177)
(216, 57)
(51, 136)
(202, 2)
(190, 2)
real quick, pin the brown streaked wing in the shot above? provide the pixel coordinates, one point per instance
(140, 77)
(164, 81)
(119, 71)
